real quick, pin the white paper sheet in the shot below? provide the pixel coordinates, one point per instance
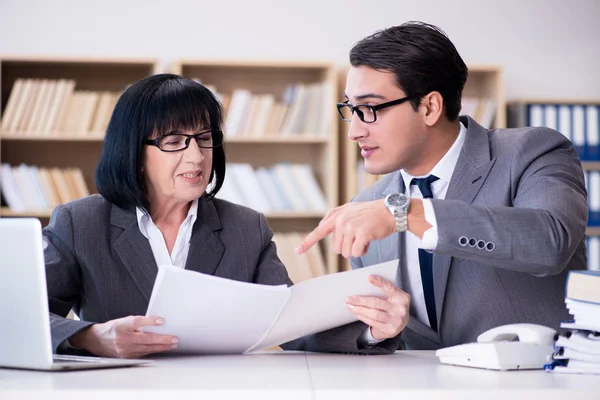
(212, 315)
(319, 304)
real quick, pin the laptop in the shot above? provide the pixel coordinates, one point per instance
(25, 341)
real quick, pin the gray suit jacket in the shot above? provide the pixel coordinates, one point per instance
(521, 190)
(99, 263)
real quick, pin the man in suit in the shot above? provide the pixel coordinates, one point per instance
(486, 223)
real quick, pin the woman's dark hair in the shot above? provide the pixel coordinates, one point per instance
(422, 58)
(154, 106)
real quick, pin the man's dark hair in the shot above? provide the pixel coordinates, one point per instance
(156, 105)
(422, 58)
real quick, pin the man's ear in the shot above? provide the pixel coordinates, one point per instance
(432, 106)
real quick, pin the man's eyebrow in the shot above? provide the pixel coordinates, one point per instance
(367, 96)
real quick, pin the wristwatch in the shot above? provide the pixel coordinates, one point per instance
(398, 204)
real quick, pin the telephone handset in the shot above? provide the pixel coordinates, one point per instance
(507, 347)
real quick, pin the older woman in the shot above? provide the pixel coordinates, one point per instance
(162, 151)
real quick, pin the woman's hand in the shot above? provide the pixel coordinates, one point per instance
(123, 338)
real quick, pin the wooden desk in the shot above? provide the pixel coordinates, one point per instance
(296, 375)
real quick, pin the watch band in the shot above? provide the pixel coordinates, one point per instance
(401, 220)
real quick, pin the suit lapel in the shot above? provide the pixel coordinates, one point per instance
(471, 171)
(206, 249)
(136, 254)
(134, 250)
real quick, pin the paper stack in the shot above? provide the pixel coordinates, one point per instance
(578, 351)
(212, 315)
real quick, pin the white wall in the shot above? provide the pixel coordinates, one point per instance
(549, 48)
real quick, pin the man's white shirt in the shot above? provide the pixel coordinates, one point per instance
(443, 170)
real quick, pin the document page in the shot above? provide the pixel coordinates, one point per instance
(212, 315)
(318, 304)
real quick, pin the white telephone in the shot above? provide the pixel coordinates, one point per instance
(497, 348)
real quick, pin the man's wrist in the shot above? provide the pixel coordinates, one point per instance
(390, 219)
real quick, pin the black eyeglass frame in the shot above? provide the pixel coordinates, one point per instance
(216, 136)
(373, 109)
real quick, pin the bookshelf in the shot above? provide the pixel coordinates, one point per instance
(307, 143)
(36, 137)
(484, 82)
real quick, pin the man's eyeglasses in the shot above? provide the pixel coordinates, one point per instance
(179, 141)
(365, 112)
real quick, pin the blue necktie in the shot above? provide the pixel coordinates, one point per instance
(426, 258)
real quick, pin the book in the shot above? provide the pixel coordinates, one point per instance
(578, 351)
(583, 286)
(12, 104)
(212, 315)
(583, 342)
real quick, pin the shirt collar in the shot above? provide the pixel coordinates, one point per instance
(144, 219)
(445, 167)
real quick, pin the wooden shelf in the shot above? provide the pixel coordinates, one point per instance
(593, 231)
(318, 149)
(65, 149)
(591, 165)
(179, 66)
(55, 138)
(557, 101)
(6, 212)
(297, 139)
(86, 61)
(291, 139)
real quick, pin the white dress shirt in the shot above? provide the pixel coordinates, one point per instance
(178, 256)
(443, 170)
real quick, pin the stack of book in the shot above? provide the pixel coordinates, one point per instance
(299, 267)
(580, 123)
(482, 110)
(283, 187)
(578, 350)
(52, 107)
(302, 110)
(31, 188)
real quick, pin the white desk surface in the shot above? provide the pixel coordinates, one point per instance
(298, 375)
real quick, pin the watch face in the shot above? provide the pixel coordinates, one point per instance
(397, 200)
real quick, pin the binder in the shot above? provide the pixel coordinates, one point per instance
(535, 115)
(594, 198)
(564, 121)
(578, 117)
(593, 253)
(551, 116)
(592, 133)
